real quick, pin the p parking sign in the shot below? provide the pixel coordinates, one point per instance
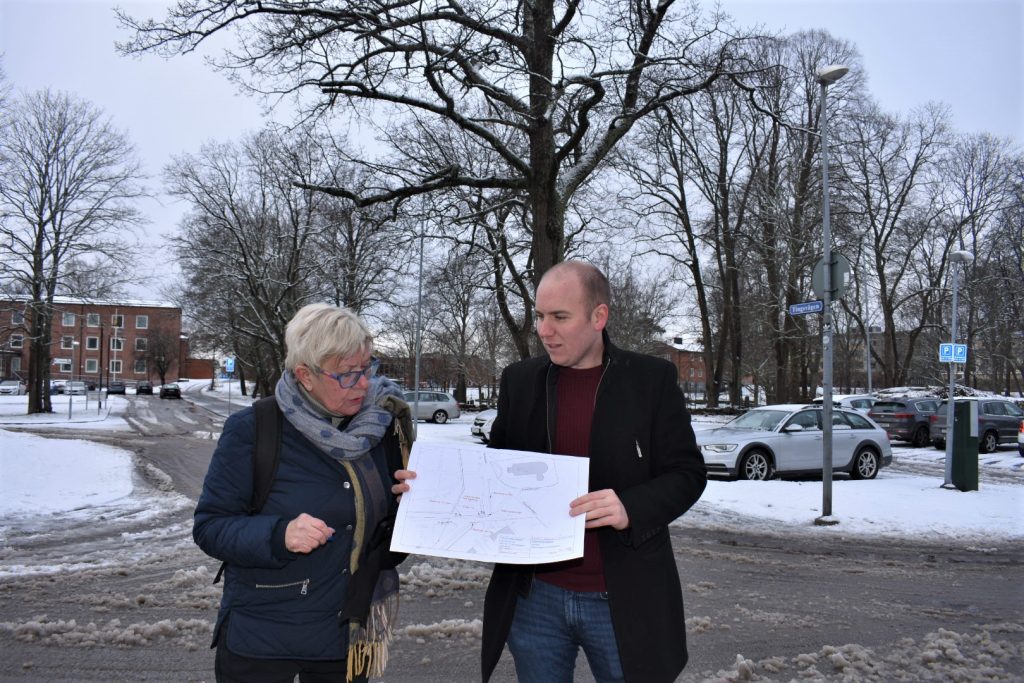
(229, 365)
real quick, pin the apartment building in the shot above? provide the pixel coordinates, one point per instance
(96, 340)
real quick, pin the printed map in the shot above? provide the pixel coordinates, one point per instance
(491, 505)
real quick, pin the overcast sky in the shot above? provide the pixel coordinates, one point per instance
(966, 53)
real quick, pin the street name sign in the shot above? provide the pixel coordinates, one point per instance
(807, 307)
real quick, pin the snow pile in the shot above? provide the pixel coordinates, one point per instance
(943, 655)
(447, 629)
(442, 576)
(72, 634)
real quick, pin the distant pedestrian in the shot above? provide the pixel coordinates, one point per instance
(310, 588)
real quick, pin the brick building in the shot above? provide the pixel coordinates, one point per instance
(97, 340)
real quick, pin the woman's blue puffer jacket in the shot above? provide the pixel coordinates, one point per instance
(279, 604)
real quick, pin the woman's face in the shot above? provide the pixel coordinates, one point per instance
(328, 390)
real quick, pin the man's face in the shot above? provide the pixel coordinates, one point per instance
(566, 325)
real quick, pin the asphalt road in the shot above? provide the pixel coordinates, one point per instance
(141, 604)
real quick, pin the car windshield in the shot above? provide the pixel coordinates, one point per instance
(758, 419)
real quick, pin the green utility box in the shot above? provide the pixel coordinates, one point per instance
(965, 445)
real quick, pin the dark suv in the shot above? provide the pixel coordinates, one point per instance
(906, 419)
(998, 422)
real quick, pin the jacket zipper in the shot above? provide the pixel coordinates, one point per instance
(303, 591)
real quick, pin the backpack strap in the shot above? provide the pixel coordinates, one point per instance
(266, 453)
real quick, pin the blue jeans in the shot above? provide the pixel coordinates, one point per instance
(549, 627)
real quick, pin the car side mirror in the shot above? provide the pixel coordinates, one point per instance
(793, 428)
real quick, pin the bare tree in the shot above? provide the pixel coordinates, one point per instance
(549, 88)
(68, 180)
(162, 351)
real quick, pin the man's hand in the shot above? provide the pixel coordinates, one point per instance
(401, 487)
(602, 508)
(306, 533)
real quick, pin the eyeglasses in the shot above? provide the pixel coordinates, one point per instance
(347, 380)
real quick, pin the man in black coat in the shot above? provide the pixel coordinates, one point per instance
(622, 602)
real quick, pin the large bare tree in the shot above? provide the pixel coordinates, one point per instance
(68, 185)
(550, 86)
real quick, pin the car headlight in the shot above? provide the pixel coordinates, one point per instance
(719, 447)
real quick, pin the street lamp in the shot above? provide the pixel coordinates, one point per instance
(826, 76)
(71, 382)
(956, 257)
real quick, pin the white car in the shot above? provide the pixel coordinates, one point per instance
(435, 406)
(482, 425)
(787, 439)
(12, 387)
(859, 402)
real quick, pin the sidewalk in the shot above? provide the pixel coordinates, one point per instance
(12, 412)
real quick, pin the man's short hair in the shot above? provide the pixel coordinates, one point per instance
(321, 331)
(594, 282)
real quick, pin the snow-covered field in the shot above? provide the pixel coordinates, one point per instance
(40, 476)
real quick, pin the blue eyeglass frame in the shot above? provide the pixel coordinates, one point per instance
(347, 380)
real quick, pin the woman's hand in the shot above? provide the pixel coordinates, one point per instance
(401, 487)
(306, 533)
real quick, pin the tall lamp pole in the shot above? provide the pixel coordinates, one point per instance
(419, 342)
(955, 258)
(826, 76)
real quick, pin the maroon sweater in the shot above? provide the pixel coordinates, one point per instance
(577, 392)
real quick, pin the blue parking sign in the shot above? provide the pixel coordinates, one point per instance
(229, 365)
(945, 353)
(959, 353)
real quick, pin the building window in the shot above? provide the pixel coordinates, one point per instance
(140, 367)
(92, 343)
(92, 319)
(117, 321)
(92, 366)
(691, 373)
(64, 365)
(116, 343)
(115, 366)
(140, 343)
(68, 320)
(17, 341)
(67, 342)
(142, 322)
(16, 364)
(17, 317)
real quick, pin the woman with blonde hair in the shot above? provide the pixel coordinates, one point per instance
(310, 587)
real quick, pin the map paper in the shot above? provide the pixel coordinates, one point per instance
(491, 505)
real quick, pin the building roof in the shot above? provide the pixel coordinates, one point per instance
(88, 301)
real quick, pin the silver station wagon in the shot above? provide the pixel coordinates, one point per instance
(787, 439)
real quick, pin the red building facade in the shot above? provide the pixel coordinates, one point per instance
(95, 340)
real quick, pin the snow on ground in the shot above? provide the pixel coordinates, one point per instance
(47, 476)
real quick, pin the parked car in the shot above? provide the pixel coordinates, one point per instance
(170, 391)
(12, 387)
(144, 387)
(76, 388)
(860, 402)
(57, 387)
(116, 387)
(435, 406)
(481, 428)
(906, 419)
(998, 422)
(787, 439)
(1020, 439)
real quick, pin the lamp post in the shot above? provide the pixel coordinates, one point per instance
(826, 76)
(956, 257)
(419, 343)
(71, 382)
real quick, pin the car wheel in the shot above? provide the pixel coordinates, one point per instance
(988, 442)
(920, 438)
(865, 464)
(756, 466)
(440, 417)
(939, 444)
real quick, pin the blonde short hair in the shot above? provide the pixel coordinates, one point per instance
(321, 331)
